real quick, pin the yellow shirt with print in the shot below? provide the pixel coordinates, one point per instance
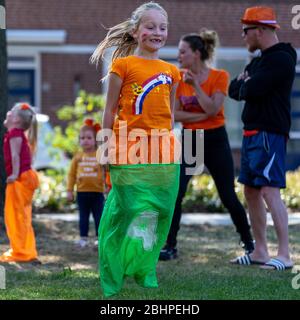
(86, 173)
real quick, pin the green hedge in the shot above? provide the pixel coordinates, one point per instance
(201, 196)
(85, 106)
(52, 194)
(291, 195)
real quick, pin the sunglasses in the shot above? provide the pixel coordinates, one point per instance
(245, 30)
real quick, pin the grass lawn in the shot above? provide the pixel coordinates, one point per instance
(201, 272)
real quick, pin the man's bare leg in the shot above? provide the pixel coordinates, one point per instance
(258, 219)
(280, 218)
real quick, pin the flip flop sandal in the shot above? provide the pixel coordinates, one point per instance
(246, 261)
(276, 264)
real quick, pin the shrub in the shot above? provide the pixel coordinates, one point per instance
(52, 194)
(202, 195)
(86, 105)
(291, 193)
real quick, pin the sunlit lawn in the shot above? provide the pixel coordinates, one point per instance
(201, 272)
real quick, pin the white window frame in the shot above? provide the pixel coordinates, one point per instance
(32, 44)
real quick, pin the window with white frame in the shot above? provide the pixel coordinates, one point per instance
(22, 84)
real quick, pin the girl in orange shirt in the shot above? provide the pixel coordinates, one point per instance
(21, 183)
(140, 100)
(199, 105)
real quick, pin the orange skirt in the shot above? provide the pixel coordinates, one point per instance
(18, 218)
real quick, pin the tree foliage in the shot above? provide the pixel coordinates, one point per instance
(86, 106)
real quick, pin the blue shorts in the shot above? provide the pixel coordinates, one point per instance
(263, 160)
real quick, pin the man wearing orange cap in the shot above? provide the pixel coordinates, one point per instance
(265, 86)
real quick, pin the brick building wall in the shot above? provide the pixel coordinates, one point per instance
(83, 19)
(62, 76)
(83, 22)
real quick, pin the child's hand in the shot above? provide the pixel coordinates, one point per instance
(70, 196)
(12, 178)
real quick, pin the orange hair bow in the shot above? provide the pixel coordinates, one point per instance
(25, 106)
(90, 123)
(97, 127)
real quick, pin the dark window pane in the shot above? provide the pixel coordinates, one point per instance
(19, 80)
(20, 86)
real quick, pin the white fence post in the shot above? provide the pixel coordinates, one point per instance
(2, 18)
(2, 278)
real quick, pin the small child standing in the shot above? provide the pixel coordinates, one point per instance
(21, 183)
(86, 173)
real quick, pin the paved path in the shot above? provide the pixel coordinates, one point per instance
(214, 219)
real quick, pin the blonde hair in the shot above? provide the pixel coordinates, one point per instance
(28, 122)
(206, 41)
(121, 34)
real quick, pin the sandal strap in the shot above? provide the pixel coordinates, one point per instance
(244, 260)
(276, 263)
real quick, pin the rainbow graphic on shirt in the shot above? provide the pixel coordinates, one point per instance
(142, 91)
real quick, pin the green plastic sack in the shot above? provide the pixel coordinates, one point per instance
(135, 223)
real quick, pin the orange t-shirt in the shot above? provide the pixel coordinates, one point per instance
(145, 94)
(217, 81)
(144, 105)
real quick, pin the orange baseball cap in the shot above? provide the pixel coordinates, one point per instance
(261, 16)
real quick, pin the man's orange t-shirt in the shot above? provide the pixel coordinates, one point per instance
(217, 81)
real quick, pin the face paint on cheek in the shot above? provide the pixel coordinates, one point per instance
(144, 36)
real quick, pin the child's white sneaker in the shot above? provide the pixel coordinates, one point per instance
(81, 243)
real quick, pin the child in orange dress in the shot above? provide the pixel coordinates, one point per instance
(21, 182)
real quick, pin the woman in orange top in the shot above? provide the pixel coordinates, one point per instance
(200, 99)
